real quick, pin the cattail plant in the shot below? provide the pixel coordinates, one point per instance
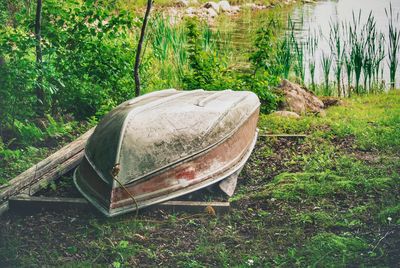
(379, 57)
(298, 52)
(357, 44)
(393, 44)
(326, 62)
(284, 56)
(348, 61)
(299, 67)
(371, 36)
(338, 47)
(312, 44)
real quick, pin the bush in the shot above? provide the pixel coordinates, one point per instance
(206, 69)
(92, 56)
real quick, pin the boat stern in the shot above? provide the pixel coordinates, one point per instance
(96, 190)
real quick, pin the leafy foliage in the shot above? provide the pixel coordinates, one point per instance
(206, 70)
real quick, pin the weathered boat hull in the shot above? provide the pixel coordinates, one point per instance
(223, 160)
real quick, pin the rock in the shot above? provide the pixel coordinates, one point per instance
(286, 114)
(212, 5)
(211, 13)
(254, 6)
(224, 6)
(186, 3)
(331, 101)
(191, 11)
(234, 9)
(299, 100)
(182, 3)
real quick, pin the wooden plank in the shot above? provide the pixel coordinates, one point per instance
(193, 207)
(32, 204)
(48, 169)
(284, 135)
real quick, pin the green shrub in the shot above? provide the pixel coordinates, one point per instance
(28, 133)
(206, 69)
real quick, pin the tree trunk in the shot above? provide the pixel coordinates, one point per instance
(39, 82)
(139, 48)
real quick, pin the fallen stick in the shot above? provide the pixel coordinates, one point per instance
(47, 170)
(284, 135)
(32, 204)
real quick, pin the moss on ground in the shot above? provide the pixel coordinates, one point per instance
(328, 200)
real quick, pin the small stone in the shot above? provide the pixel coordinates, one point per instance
(212, 13)
(191, 11)
(212, 5)
(234, 9)
(182, 3)
(224, 6)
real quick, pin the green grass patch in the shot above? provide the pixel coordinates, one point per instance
(327, 200)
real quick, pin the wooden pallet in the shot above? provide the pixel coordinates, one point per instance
(33, 204)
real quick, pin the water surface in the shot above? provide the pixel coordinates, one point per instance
(309, 18)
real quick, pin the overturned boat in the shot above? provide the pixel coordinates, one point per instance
(166, 144)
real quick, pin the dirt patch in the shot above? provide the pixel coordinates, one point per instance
(271, 156)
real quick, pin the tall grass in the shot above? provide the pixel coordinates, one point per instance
(285, 56)
(338, 48)
(168, 49)
(298, 51)
(312, 44)
(326, 63)
(355, 60)
(394, 43)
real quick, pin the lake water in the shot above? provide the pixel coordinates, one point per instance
(313, 17)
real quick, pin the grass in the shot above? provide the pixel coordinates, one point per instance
(327, 200)
(394, 44)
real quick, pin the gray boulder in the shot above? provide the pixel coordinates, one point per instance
(299, 99)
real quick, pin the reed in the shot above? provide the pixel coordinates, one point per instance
(168, 48)
(380, 56)
(357, 52)
(371, 36)
(393, 44)
(338, 48)
(298, 52)
(326, 63)
(348, 61)
(357, 44)
(284, 56)
(312, 45)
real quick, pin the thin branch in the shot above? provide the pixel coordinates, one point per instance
(139, 48)
(39, 87)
